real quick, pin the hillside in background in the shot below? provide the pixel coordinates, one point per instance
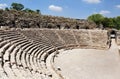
(23, 19)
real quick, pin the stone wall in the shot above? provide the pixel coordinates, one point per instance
(118, 37)
(92, 38)
(99, 38)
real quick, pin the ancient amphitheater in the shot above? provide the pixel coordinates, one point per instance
(58, 54)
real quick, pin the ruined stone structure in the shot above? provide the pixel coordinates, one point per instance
(21, 19)
(29, 53)
(118, 37)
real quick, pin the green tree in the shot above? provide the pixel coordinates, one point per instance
(117, 22)
(97, 18)
(17, 6)
(38, 11)
(7, 9)
(108, 22)
(28, 10)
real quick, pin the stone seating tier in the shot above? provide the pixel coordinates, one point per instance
(24, 53)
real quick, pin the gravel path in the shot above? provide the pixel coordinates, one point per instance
(90, 63)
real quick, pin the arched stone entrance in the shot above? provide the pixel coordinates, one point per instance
(59, 26)
(77, 27)
(113, 34)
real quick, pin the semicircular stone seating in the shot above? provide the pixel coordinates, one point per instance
(29, 53)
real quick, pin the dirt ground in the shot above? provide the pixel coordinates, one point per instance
(90, 63)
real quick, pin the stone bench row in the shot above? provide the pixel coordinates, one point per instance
(22, 53)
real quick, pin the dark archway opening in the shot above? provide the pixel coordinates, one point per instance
(58, 26)
(13, 23)
(113, 34)
(38, 25)
(77, 27)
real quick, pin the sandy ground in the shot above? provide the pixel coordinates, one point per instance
(90, 63)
